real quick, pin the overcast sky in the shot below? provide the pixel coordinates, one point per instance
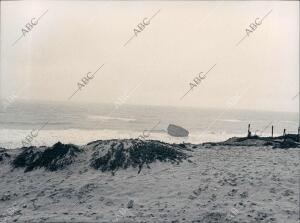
(157, 66)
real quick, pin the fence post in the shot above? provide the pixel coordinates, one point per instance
(272, 130)
(249, 133)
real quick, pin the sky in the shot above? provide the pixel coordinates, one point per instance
(158, 65)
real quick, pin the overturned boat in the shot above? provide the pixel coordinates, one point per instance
(177, 131)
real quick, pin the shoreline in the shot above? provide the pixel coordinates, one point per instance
(280, 141)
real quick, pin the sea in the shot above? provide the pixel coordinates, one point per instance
(45, 123)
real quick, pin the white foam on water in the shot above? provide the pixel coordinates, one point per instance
(100, 117)
(12, 138)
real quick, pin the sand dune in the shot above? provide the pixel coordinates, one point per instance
(207, 183)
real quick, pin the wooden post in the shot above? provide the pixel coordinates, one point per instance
(284, 136)
(272, 130)
(249, 133)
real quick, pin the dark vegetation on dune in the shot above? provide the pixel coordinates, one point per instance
(111, 155)
(51, 158)
(3, 155)
(138, 154)
(283, 142)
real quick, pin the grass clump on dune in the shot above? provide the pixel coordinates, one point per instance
(51, 158)
(136, 155)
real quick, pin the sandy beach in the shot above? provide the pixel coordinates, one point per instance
(149, 112)
(213, 184)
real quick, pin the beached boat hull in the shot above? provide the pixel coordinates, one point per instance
(177, 131)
